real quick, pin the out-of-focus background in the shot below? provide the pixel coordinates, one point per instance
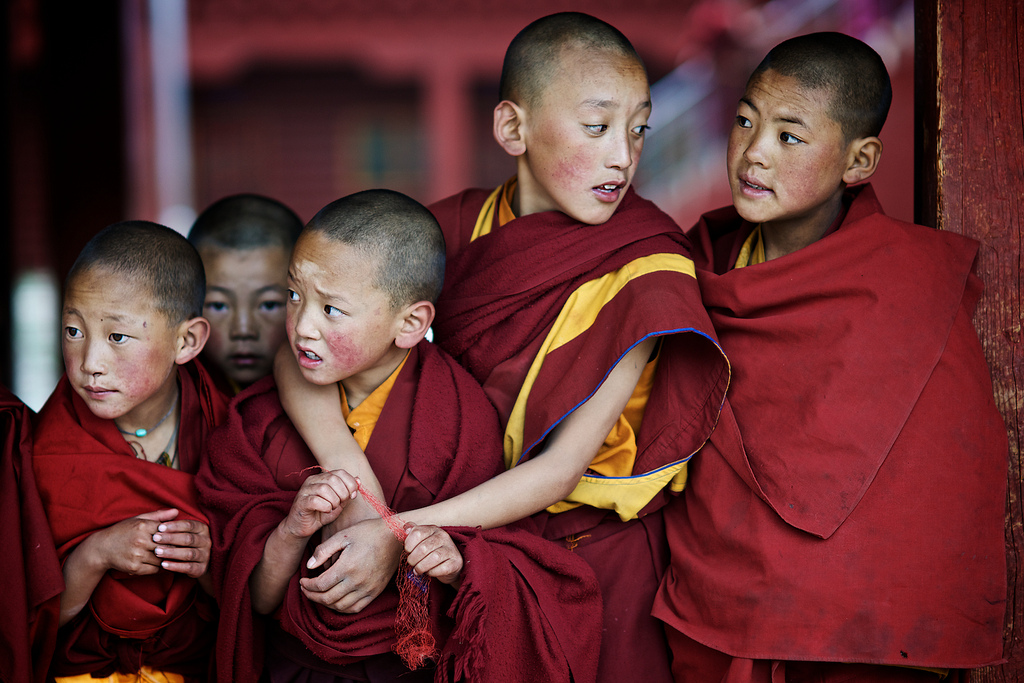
(137, 109)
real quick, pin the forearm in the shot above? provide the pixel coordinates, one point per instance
(82, 573)
(508, 497)
(552, 474)
(269, 580)
(316, 413)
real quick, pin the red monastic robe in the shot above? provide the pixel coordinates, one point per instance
(504, 292)
(30, 602)
(90, 479)
(849, 507)
(527, 610)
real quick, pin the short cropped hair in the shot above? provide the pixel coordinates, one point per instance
(854, 73)
(397, 231)
(246, 221)
(154, 256)
(533, 55)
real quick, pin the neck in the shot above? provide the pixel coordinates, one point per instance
(781, 239)
(359, 386)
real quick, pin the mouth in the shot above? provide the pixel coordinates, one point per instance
(748, 185)
(609, 192)
(97, 392)
(307, 359)
(245, 359)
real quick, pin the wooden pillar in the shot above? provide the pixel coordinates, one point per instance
(970, 180)
(449, 137)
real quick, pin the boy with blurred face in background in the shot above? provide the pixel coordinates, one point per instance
(245, 241)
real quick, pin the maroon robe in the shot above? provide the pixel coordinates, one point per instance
(502, 293)
(526, 610)
(849, 507)
(90, 479)
(30, 602)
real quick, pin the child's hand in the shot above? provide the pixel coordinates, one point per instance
(183, 546)
(370, 553)
(320, 500)
(128, 545)
(432, 552)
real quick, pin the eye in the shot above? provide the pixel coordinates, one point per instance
(789, 138)
(216, 306)
(118, 338)
(271, 306)
(596, 128)
(743, 122)
(641, 130)
(292, 295)
(331, 311)
(73, 332)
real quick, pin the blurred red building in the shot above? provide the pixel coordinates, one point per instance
(309, 100)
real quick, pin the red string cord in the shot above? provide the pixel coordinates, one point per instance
(415, 643)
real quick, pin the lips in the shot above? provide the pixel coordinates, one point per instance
(245, 359)
(609, 192)
(749, 184)
(97, 392)
(307, 358)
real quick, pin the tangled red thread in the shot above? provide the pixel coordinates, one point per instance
(415, 643)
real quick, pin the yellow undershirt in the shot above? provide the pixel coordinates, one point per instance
(617, 454)
(145, 675)
(363, 418)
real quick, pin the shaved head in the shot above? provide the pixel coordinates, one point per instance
(153, 256)
(533, 56)
(853, 73)
(398, 232)
(246, 221)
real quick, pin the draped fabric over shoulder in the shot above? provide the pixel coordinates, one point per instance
(849, 507)
(30, 601)
(89, 479)
(540, 309)
(526, 610)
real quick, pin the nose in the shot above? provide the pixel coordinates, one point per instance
(623, 152)
(94, 360)
(242, 324)
(755, 149)
(300, 318)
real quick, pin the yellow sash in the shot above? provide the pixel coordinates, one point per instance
(614, 487)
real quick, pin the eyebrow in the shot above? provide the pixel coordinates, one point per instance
(785, 119)
(610, 104)
(108, 316)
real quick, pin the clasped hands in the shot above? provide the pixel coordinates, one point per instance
(358, 554)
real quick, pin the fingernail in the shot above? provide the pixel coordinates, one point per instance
(162, 527)
(159, 551)
(311, 563)
(165, 565)
(157, 538)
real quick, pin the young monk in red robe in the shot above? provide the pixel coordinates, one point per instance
(574, 303)
(845, 522)
(245, 241)
(362, 281)
(30, 601)
(116, 449)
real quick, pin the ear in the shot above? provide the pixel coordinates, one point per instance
(864, 155)
(508, 128)
(192, 336)
(414, 322)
